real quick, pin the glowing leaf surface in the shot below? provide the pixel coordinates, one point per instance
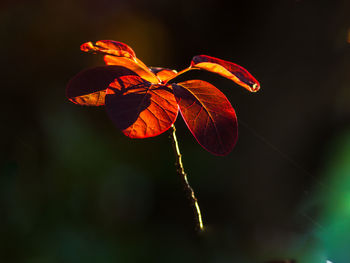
(119, 54)
(164, 73)
(139, 108)
(208, 114)
(88, 87)
(228, 70)
(134, 65)
(111, 47)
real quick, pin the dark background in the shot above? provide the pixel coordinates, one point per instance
(74, 189)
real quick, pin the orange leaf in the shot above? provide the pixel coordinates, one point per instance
(111, 47)
(208, 114)
(137, 67)
(139, 108)
(89, 86)
(120, 54)
(228, 70)
(164, 74)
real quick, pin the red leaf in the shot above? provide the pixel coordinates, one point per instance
(164, 73)
(89, 86)
(208, 114)
(119, 54)
(228, 70)
(111, 47)
(135, 65)
(139, 108)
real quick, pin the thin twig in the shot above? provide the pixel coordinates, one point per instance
(180, 170)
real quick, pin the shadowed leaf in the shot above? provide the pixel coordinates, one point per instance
(164, 73)
(208, 114)
(139, 108)
(228, 70)
(88, 87)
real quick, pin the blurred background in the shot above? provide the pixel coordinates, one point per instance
(74, 189)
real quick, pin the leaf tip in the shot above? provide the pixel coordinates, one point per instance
(255, 87)
(87, 47)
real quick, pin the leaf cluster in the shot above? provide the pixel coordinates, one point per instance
(144, 101)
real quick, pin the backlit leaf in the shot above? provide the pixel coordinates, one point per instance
(135, 65)
(111, 47)
(228, 70)
(164, 73)
(139, 108)
(88, 87)
(119, 54)
(208, 114)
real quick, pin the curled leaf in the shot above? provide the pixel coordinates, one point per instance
(135, 65)
(119, 54)
(228, 70)
(89, 86)
(208, 114)
(139, 108)
(164, 74)
(111, 47)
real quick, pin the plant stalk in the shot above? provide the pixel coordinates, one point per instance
(180, 73)
(181, 171)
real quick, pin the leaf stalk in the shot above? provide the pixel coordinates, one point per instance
(181, 172)
(180, 73)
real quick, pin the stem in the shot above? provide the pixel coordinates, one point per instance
(180, 171)
(181, 72)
